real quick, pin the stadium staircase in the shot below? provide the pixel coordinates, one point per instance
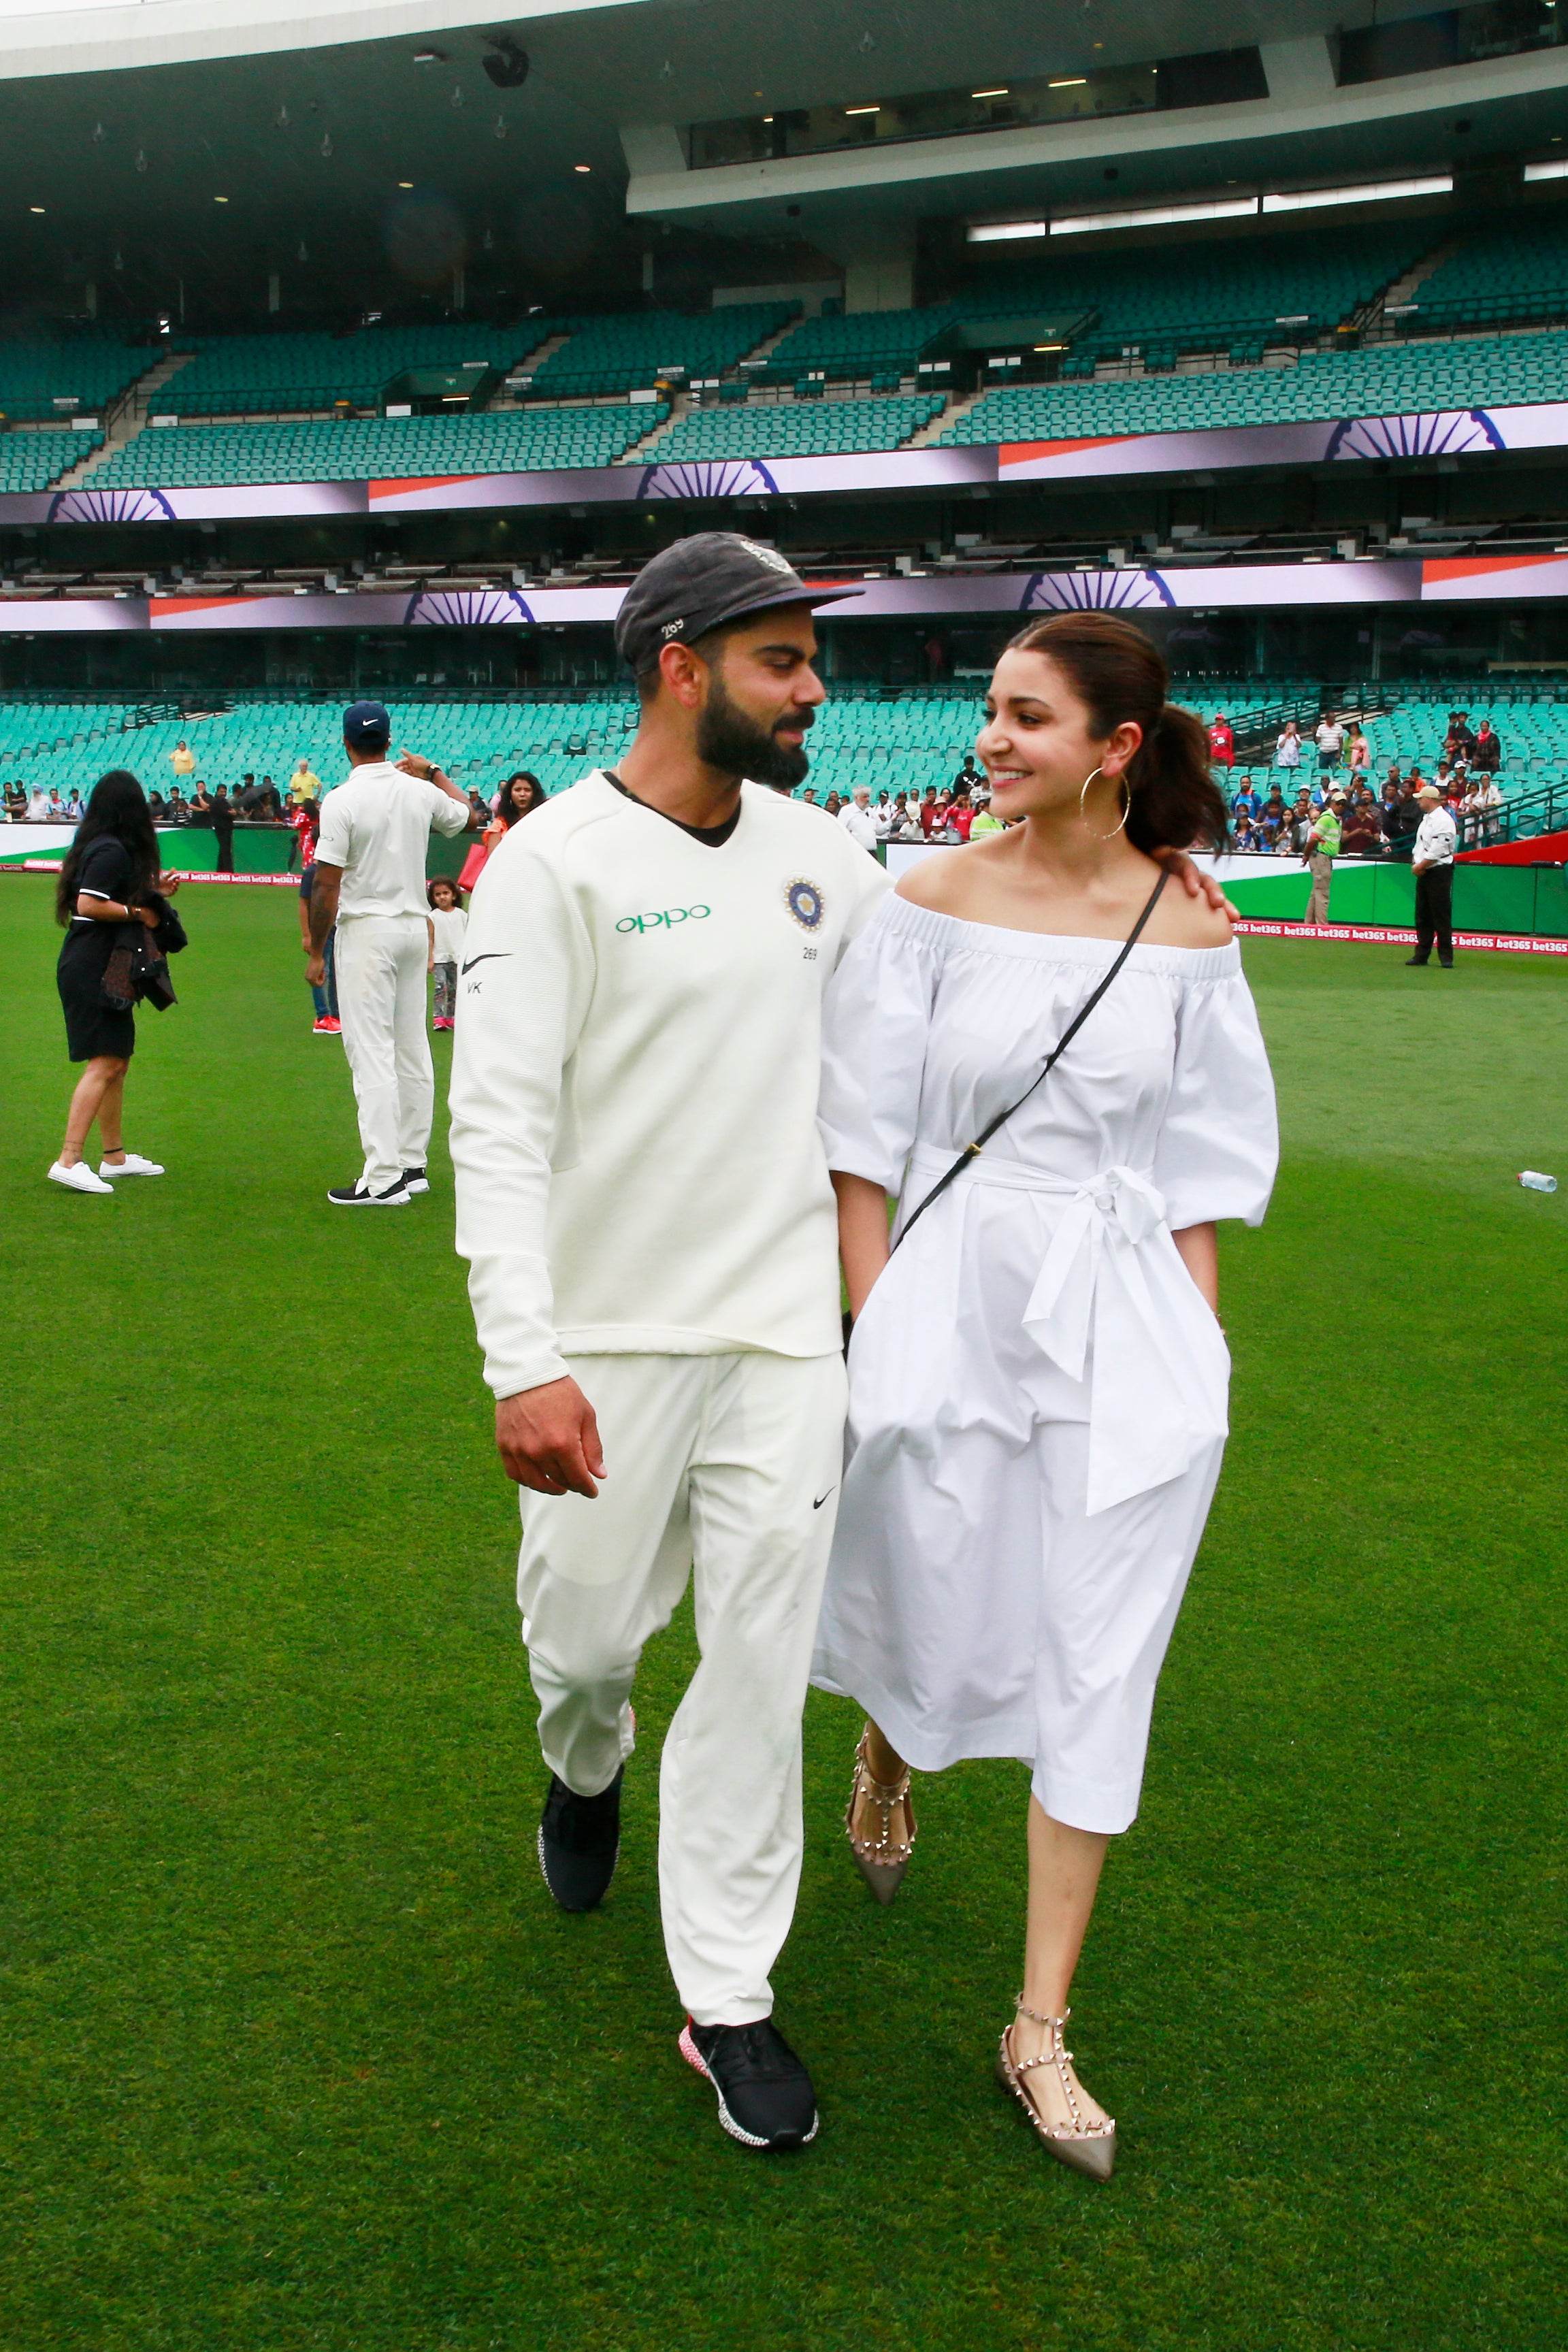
(507, 397)
(764, 351)
(936, 426)
(1404, 289)
(645, 451)
(128, 419)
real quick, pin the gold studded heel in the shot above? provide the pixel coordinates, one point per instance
(883, 1859)
(1086, 2147)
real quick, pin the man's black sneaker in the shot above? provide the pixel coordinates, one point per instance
(415, 1179)
(1416, 962)
(360, 1196)
(580, 1842)
(765, 2098)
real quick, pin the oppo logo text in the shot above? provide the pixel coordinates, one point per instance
(663, 921)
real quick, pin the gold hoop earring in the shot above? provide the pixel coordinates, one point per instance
(1126, 805)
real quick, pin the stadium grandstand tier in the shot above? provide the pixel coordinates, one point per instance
(796, 428)
(32, 461)
(367, 448)
(38, 373)
(233, 375)
(602, 357)
(899, 741)
(1275, 289)
(865, 343)
(1386, 380)
(1507, 270)
(477, 743)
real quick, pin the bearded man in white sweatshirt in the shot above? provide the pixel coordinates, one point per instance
(647, 1211)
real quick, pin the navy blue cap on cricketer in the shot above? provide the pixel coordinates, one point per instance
(700, 582)
(366, 724)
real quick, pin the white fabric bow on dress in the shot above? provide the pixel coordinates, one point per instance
(1142, 1425)
(1159, 1369)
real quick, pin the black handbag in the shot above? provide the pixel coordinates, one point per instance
(150, 973)
(117, 986)
(137, 971)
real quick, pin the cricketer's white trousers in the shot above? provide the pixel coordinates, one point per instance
(728, 1465)
(380, 970)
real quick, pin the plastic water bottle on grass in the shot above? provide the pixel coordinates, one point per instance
(1534, 1181)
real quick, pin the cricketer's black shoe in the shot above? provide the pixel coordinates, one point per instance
(580, 1842)
(415, 1179)
(360, 1196)
(765, 2098)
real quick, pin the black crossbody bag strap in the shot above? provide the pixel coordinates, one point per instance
(1069, 1033)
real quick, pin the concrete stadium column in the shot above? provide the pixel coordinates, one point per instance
(879, 260)
(1299, 73)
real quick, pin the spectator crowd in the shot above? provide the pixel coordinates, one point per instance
(1326, 772)
(1329, 774)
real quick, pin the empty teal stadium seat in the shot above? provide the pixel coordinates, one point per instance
(36, 460)
(605, 356)
(494, 442)
(791, 429)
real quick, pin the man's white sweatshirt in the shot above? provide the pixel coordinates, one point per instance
(634, 1083)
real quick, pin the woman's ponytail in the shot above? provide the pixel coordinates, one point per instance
(1176, 804)
(1118, 675)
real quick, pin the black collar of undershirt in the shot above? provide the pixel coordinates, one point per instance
(714, 836)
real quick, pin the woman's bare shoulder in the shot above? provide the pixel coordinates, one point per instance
(1181, 921)
(949, 881)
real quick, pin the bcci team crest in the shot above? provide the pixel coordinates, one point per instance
(803, 900)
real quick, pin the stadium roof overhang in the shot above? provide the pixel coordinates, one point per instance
(262, 121)
(1308, 131)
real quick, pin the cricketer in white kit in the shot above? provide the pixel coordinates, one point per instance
(645, 1203)
(369, 880)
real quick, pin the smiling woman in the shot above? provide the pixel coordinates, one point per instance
(1039, 1381)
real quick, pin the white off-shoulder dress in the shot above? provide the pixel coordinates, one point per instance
(1039, 1390)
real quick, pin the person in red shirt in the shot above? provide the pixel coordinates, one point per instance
(960, 815)
(305, 817)
(933, 813)
(1222, 741)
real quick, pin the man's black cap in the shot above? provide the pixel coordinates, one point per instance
(698, 583)
(366, 724)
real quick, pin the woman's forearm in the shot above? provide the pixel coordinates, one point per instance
(862, 1234)
(112, 910)
(1198, 1248)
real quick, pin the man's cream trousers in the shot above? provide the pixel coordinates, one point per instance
(381, 969)
(728, 1465)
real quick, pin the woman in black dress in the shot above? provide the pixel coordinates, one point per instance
(108, 873)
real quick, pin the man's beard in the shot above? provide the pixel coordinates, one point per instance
(737, 746)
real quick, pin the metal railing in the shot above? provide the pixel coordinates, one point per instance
(1257, 730)
(1545, 809)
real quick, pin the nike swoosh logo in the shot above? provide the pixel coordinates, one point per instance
(489, 956)
(822, 1498)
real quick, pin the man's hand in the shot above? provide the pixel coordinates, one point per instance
(1195, 881)
(315, 970)
(548, 1439)
(414, 764)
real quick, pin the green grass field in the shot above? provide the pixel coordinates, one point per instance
(299, 2054)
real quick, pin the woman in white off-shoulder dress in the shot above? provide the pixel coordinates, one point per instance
(1037, 1378)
